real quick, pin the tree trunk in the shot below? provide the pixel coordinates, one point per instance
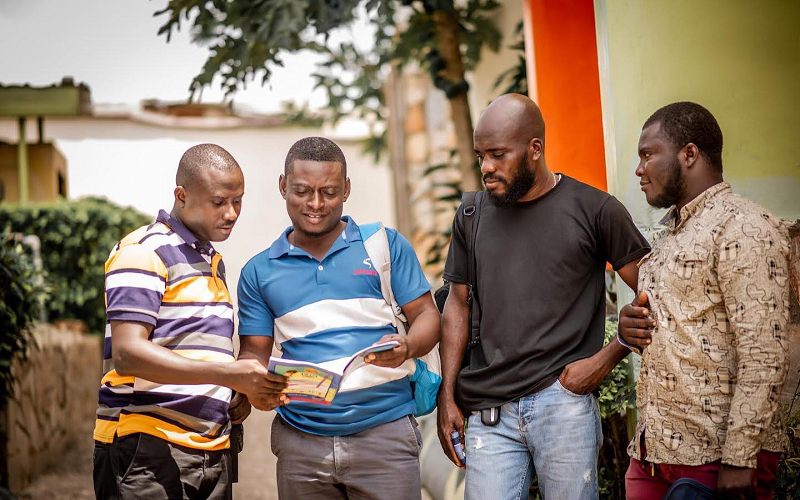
(447, 30)
(394, 94)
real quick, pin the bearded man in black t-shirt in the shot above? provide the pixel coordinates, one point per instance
(541, 247)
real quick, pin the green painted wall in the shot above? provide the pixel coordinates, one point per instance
(740, 59)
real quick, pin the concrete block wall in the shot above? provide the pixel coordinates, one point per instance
(55, 397)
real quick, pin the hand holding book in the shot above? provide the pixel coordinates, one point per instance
(318, 383)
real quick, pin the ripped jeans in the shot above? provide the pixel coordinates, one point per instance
(555, 432)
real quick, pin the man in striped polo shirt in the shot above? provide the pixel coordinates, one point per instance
(316, 296)
(162, 424)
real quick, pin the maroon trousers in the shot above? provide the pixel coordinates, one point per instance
(646, 481)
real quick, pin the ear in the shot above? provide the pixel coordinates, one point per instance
(180, 195)
(346, 189)
(535, 149)
(689, 155)
(282, 185)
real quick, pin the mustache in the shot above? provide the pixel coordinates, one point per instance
(494, 177)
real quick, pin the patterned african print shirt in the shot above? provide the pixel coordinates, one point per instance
(710, 384)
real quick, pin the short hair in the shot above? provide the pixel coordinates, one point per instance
(202, 157)
(685, 122)
(314, 149)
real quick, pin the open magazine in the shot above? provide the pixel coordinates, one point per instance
(314, 383)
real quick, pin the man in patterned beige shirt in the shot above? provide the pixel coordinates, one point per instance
(711, 318)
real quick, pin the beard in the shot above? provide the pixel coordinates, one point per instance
(674, 186)
(520, 184)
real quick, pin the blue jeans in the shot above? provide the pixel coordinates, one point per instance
(554, 431)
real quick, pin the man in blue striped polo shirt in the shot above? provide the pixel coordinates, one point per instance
(162, 428)
(315, 295)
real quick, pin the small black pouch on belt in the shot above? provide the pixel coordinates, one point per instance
(237, 445)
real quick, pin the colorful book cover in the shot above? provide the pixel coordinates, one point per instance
(314, 383)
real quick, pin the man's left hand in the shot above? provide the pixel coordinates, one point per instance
(738, 483)
(240, 408)
(580, 377)
(393, 357)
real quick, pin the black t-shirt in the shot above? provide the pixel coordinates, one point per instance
(541, 285)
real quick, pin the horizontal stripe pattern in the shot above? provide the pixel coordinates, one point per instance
(158, 275)
(332, 314)
(339, 418)
(325, 310)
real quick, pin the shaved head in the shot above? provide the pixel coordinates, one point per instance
(197, 160)
(509, 144)
(513, 116)
(208, 192)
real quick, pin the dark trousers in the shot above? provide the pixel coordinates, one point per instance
(144, 466)
(651, 481)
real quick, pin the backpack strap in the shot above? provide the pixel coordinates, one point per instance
(471, 210)
(376, 243)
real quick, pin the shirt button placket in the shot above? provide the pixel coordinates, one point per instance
(322, 275)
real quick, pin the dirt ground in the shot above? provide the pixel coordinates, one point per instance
(72, 478)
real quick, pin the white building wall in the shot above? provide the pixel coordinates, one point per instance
(133, 163)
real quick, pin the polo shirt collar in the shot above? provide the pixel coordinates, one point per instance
(282, 247)
(165, 218)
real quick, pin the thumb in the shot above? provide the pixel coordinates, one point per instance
(641, 299)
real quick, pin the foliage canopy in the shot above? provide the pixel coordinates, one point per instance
(247, 40)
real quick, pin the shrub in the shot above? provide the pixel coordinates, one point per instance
(76, 237)
(19, 306)
(787, 484)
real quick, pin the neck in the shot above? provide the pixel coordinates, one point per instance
(317, 246)
(695, 189)
(175, 213)
(545, 181)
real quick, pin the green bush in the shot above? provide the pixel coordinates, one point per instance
(616, 396)
(19, 307)
(76, 237)
(787, 484)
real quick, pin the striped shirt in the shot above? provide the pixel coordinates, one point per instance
(163, 276)
(325, 310)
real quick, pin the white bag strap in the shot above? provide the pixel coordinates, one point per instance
(377, 246)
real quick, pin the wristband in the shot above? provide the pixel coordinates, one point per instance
(631, 347)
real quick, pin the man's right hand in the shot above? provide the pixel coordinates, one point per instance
(263, 388)
(449, 417)
(635, 327)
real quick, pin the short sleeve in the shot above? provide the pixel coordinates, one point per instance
(255, 317)
(619, 238)
(408, 280)
(136, 279)
(455, 267)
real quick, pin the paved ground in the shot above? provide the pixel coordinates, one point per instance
(72, 479)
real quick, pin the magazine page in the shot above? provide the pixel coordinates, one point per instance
(307, 381)
(315, 383)
(358, 359)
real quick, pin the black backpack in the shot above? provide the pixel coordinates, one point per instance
(470, 215)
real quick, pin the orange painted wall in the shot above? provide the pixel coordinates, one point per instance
(567, 86)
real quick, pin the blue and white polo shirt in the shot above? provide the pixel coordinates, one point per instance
(323, 312)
